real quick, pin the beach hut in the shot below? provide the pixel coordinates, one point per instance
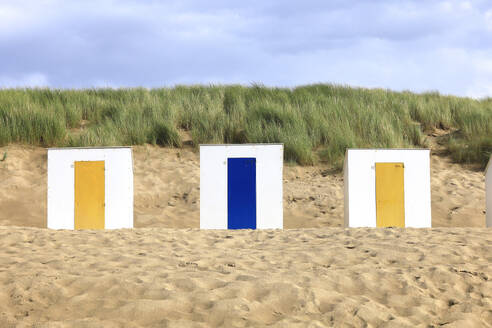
(387, 188)
(488, 193)
(241, 186)
(90, 188)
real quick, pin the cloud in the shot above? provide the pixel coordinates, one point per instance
(25, 80)
(415, 45)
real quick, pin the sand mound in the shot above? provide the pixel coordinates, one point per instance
(167, 191)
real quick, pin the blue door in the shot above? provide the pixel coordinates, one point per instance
(241, 193)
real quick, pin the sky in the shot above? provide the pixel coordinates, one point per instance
(420, 46)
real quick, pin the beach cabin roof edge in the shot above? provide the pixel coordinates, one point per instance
(387, 149)
(95, 147)
(244, 144)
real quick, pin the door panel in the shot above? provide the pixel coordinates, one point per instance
(390, 200)
(241, 193)
(89, 195)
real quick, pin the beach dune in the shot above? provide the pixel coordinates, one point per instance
(167, 182)
(312, 274)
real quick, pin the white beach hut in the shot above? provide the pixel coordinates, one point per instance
(387, 187)
(90, 188)
(488, 193)
(241, 186)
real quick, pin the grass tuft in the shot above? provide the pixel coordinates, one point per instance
(315, 122)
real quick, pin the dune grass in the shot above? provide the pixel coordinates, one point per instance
(315, 122)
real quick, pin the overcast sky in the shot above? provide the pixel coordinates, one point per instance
(400, 45)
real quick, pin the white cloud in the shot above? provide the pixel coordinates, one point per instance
(479, 90)
(25, 80)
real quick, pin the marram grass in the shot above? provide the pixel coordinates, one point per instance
(315, 122)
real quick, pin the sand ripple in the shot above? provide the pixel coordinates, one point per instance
(297, 278)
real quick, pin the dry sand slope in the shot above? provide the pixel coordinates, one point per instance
(190, 278)
(167, 191)
(291, 278)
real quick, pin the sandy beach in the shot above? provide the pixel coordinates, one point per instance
(155, 277)
(168, 273)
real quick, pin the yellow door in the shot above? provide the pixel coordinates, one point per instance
(89, 195)
(390, 201)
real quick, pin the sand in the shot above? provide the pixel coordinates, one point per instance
(167, 181)
(154, 277)
(312, 274)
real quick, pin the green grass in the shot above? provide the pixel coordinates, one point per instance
(315, 122)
